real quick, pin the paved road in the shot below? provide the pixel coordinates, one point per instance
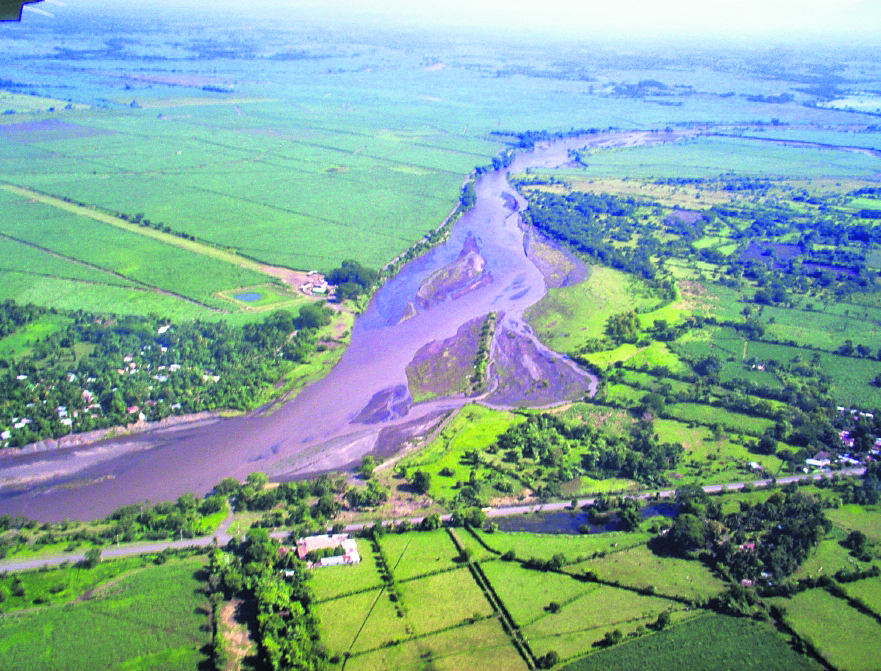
(222, 537)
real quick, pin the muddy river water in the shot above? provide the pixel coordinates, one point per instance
(362, 406)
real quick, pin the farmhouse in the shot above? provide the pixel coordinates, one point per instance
(344, 549)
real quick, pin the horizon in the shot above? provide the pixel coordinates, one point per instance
(732, 21)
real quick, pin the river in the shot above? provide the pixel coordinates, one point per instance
(362, 405)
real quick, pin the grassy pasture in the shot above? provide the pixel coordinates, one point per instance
(708, 642)
(658, 355)
(828, 558)
(145, 620)
(440, 601)
(682, 196)
(62, 585)
(707, 414)
(869, 590)
(858, 518)
(583, 622)
(827, 329)
(711, 156)
(640, 567)
(350, 614)
(474, 427)
(850, 378)
(381, 625)
(483, 646)
(568, 316)
(18, 344)
(573, 548)
(19, 103)
(868, 140)
(701, 446)
(840, 633)
(416, 554)
(526, 593)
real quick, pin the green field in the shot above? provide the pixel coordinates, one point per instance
(839, 632)
(712, 156)
(641, 568)
(858, 518)
(579, 625)
(483, 646)
(573, 548)
(147, 619)
(474, 427)
(707, 414)
(868, 590)
(413, 555)
(709, 642)
(567, 317)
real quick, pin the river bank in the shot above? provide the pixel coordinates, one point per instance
(363, 404)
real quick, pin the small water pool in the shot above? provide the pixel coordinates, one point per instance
(572, 522)
(248, 297)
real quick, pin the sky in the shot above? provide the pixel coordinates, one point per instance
(709, 19)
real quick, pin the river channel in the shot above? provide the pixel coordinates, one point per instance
(363, 405)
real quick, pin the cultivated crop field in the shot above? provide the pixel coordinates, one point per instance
(838, 631)
(144, 618)
(438, 608)
(709, 642)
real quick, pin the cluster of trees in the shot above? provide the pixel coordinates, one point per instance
(548, 440)
(14, 316)
(762, 542)
(351, 279)
(528, 139)
(275, 582)
(184, 518)
(144, 365)
(306, 506)
(623, 327)
(592, 224)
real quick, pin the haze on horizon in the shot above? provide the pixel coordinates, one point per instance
(735, 20)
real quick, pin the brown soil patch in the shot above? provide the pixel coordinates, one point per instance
(445, 367)
(465, 274)
(558, 267)
(235, 635)
(525, 375)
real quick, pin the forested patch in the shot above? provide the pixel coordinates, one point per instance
(101, 371)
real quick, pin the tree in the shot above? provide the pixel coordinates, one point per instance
(257, 480)
(856, 541)
(352, 272)
(422, 481)
(687, 534)
(430, 523)
(549, 660)
(624, 327)
(368, 463)
(312, 316)
(767, 445)
(92, 557)
(662, 621)
(654, 404)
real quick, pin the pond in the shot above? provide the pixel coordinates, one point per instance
(572, 522)
(248, 297)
